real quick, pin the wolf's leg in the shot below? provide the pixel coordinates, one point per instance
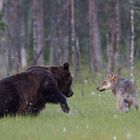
(118, 103)
(121, 104)
(125, 106)
(135, 103)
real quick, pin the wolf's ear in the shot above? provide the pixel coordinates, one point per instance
(113, 76)
(66, 66)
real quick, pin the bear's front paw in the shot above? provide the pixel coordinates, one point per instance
(65, 108)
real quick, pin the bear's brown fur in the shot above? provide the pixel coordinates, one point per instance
(60, 73)
(28, 92)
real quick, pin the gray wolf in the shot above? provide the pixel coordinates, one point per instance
(124, 90)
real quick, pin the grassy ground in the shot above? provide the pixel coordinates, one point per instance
(92, 117)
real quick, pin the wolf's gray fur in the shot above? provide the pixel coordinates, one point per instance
(124, 90)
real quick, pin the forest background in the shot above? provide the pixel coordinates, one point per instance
(89, 34)
(96, 37)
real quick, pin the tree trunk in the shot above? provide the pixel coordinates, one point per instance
(127, 49)
(24, 29)
(74, 42)
(15, 35)
(64, 30)
(11, 17)
(73, 35)
(118, 33)
(59, 51)
(38, 28)
(3, 57)
(132, 41)
(23, 44)
(96, 58)
(3, 50)
(113, 36)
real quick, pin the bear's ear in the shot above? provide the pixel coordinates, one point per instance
(66, 66)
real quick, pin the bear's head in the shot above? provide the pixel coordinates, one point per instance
(61, 74)
(63, 77)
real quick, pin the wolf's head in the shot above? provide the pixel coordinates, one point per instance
(107, 84)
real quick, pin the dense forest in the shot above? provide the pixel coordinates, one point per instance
(94, 34)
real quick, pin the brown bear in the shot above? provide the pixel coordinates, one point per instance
(28, 92)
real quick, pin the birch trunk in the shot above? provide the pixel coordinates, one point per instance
(73, 35)
(74, 42)
(132, 41)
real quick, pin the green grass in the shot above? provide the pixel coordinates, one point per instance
(92, 117)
